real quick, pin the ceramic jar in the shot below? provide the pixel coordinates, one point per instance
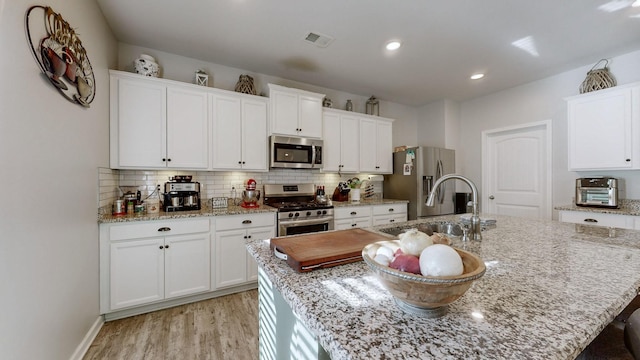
(146, 65)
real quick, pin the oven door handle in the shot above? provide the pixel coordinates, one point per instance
(305, 222)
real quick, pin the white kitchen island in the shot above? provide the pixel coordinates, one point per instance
(547, 293)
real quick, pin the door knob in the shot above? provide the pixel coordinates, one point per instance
(491, 197)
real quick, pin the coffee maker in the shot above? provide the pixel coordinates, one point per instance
(180, 194)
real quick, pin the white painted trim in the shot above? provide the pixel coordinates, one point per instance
(546, 124)
(84, 345)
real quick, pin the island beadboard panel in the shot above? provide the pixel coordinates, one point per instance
(547, 293)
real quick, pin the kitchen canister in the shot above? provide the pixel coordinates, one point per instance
(146, 65)
(153, 205)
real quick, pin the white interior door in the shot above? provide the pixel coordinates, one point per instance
(517, 171)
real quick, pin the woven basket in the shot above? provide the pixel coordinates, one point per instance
(598, 79)
(245, 85)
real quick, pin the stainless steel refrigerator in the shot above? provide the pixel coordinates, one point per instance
(414, 172)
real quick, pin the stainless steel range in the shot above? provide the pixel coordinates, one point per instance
(298, 211)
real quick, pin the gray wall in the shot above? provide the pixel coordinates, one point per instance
(50, 150)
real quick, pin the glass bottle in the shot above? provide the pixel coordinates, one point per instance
(349, 105)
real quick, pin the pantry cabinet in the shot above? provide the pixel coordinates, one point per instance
(150, 261)
(239, 133)
(156, 124)
(341, 138)
(604, 129)
(295, 112)
(376, 150)
(233, 264)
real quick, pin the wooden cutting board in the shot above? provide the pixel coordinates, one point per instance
(324, 249)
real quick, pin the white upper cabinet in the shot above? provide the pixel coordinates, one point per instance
(155, 123)
(604, 129)
(341, 139)
(295, 112)
(376, 149)
(239, 132)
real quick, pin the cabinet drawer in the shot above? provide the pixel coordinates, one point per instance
(351, 212)
(245, 221)
(389, 209)
(598, 219)
(157, 228)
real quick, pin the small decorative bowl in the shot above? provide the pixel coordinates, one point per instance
(427, 296)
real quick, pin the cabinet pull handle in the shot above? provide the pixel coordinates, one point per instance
(166, 246)
(390, 209)
(392, 220)
(627, 160)
(353, 225)
(246, 221)
(239, 162)
(354, 213)
(245, 237)
(590, 220)
(161, 247)
(162, 229)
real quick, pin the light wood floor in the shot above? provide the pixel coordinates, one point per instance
(220, 328)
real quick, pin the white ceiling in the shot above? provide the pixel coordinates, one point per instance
(444, 41)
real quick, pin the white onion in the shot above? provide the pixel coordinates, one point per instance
(440, 260)
(412, 242)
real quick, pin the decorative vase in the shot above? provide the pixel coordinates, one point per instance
(349, 106)
(146, 65)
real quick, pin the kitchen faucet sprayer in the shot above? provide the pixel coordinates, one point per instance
(475, 218)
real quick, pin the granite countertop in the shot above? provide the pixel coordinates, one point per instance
(547, 293)
(205, 211)
(369, 202)
(627, 207)
(106, 217)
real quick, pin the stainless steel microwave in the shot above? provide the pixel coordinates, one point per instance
(295, 153)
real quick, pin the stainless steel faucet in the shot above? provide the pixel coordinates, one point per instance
(475, 218)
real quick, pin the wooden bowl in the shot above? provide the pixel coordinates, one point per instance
(424, 295)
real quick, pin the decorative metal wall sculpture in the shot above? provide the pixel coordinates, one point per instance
(60, 54)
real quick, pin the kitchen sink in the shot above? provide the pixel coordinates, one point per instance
(448, 228)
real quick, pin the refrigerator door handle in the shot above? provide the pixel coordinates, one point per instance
(442, 188)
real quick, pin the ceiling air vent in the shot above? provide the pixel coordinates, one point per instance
(317, 39)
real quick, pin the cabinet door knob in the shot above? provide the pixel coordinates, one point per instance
(162, 229)
(246, 221)
(166, 246)
(491, 197)
(164, 159)
(353, 225)
(392, 220)
(244, 237)
(249, 237)
(390, 209)
(354, 213)
(161, 247)
(168, 159)
(627, 160)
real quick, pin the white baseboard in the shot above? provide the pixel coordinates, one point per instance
(82, 348)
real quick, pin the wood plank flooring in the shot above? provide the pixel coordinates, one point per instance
(222, 328)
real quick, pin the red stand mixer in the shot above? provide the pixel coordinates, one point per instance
(250, 195)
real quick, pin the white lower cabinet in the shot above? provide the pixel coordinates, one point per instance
(389, 213)
(233, 264)
(150, 261)
(350, 217)
(599, 219)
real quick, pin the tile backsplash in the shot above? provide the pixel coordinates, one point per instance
(112, 182)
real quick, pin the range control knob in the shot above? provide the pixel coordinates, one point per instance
(319, 212)
(308, 213)
(296, 214)
(324, 212)
(290, 214)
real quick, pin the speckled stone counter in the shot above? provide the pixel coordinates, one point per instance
(547, 293)
(205, 211)
(627, 207)
(369, 202)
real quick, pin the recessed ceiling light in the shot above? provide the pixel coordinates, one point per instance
(477, 76)
(636, 3)
(393, 45)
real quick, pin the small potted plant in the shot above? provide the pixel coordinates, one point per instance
(354, 185)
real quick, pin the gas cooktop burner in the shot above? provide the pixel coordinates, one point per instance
(297, 206)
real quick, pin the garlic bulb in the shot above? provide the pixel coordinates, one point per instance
(412, 242)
